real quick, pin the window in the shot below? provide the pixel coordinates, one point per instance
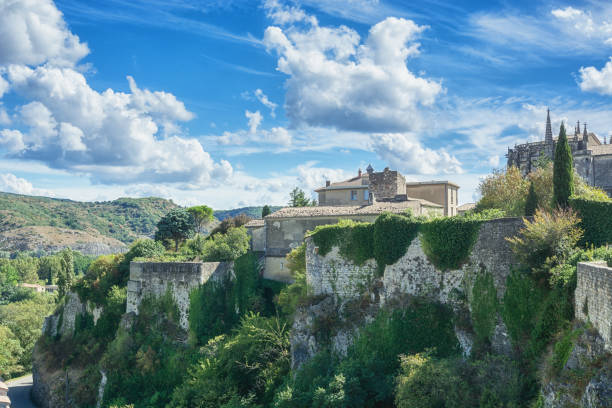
(353, 195)
(366, 195)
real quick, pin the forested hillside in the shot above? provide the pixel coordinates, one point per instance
(124, 219)
(252, 212)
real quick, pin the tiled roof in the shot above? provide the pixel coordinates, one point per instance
(599, 150)
(256, 223)
(353, 182)
(424, 183)
(326, 211)
(466, 207)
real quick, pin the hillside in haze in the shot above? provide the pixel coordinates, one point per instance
(253, 212)
(49, 221)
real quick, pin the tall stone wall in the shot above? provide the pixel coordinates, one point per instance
(413, 274)
(387, 184)
(155, 278)
(593, 298)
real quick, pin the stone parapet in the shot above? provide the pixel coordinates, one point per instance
(593, 298)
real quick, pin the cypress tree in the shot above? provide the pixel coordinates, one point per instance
(265, 210)
(532, 201)
(563, 171)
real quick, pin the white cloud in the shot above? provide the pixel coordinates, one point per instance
(254, 119)
(113, 136)
(310, 177)
(34, 32)
(335, 80)
(594, 80)
(13, 184)
(4, 85)
(12, 140)
(263, 98)
(404, 152)
(567, 13)
(283, 14)
(279, 136)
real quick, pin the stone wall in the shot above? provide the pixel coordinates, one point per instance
(155, 278)
(339, 282)
(413, 274)
(387, 184)
(593, 298)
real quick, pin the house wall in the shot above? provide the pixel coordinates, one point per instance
(387, 184)
(258, 238)
(445, 195)
(339, 197)
(593, 298)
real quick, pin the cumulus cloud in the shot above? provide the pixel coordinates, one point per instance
(13, 184)
(263, 98)
(337, 80)
(594, 80)
(34, 32)
(113, 136)
(254, 119)
(567, 13)
(282, 14)
(4, 85)
(310, 177)
(11, 140)
(404, 152)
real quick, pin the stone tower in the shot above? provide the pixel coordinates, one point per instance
(585, 138)
(548, 137)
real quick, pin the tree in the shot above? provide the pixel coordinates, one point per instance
(177, 225)
(297, 198)
(228, 223)
(563, 172)
(66, 273)
(10, 353)
(532, 201)
(505, 190)
(265, 211)
(202, 215)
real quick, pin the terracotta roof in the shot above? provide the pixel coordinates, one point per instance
(466, 207)
(256, 223)
(326, 211)
(355, 182)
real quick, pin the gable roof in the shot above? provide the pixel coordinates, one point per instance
(353, 210)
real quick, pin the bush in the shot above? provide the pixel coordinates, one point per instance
(219, 247)
(504, 189)
(595, 220)
(447, 242)
(292, 295)
(521, 302)
(392, 235)
(549, 239)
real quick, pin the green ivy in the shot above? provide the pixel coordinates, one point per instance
(563, 349)
(447, 242)
(393, 234)
(484, 307)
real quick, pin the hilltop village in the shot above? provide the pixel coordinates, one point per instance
(381, 293)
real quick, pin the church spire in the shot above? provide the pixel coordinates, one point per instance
(585, 136)
(548, 137)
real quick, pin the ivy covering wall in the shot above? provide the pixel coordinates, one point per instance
(447, 242)
(596, 221)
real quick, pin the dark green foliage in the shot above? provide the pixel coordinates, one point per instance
(563, 348)
(217, 306)
(265, 211)
(596, 221)
(531, 205)
(297, 198)
(392, 235)
(366, 376)
(142, 248)
(66, 273)
(563, 171)
(555, 312)
(484, 307)
(521, 302)
(229, 223)
(145, 364)
(177, 225)
(447, 242)
(124, 219)
(219, 247)
(241, 370)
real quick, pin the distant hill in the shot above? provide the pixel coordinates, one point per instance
(124, 219)
(253, 212)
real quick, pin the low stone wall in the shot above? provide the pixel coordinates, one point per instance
(155, 278)
(593, 298)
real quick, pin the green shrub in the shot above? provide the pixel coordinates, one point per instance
(562, 349)
(595, 220)
(484, 307)
(447, 242)
(521, 302)
(219, 247)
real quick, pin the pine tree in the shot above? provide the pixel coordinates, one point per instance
(563, 171)
(532, 201)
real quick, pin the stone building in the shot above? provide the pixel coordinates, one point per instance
(388, 186)
(592, 158)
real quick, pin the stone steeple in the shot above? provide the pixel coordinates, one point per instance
(548, 137)
(585, 136)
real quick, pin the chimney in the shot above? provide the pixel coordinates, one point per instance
(327, 183)
(359, 173)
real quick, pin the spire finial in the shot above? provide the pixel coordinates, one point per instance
(548, 137)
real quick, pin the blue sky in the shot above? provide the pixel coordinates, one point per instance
(233, 103)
